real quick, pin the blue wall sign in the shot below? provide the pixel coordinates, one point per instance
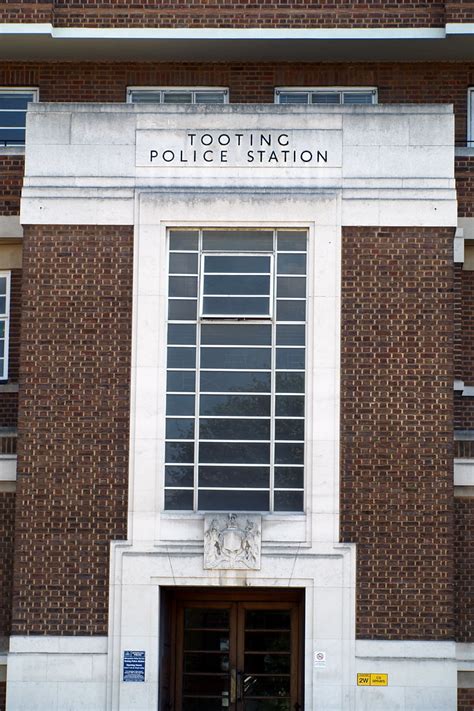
(133, 666)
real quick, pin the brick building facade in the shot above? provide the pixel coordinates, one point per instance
(237, 403)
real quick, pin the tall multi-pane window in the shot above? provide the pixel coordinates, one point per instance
(326, 96)
(13, 106)
(177, 95)
(4, 322)
(236, 370)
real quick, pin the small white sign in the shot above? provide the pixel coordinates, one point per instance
(320, 660)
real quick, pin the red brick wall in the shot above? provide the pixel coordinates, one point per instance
(233, 13)
(74, 418)
(396, 428)
(465, 184)
(3, 695)
(7, 522)
(464, 568)
(248, 82)
(11, 177)
(465, 699)
(8, 409)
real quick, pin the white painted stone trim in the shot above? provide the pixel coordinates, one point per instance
(404, 649)
(464, 472)
(57, 644)
(421, 33)
(8, 467)
(458, 246)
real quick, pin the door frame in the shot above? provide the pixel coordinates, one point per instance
(238, 600)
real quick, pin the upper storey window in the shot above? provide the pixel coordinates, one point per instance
(326, 96)
(4, 322)
(13, 106)
(470, 118)
(177, 95)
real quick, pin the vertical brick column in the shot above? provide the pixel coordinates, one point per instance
(74, 423)
(396, 427)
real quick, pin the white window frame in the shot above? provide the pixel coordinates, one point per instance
(325, 90)
(470, 117)
(6, 320)
(234, 317)
(18, 90)
(193, 89)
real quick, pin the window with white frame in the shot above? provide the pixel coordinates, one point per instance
(13, 105)
(326, 96)
(470, 117)
(177, 95)
(4, 322)
(235, 399)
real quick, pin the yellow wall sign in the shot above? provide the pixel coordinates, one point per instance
(372, 679)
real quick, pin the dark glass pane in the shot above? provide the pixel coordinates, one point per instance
(235, 405)
(14, 101)
(179, 476)
(236, 334)
(263, 705)
(268, 620)
(291, 310)
(12, 136)
(182, 334)
(209, 97)
(266, 685)
(290, 358)
(289, 429)
(291, 287)
(290, 405)
(177, 97)
(263, 641)
(183, 263)
(236, 264)
(223, 285)
(235, 429)
(179, 452)
(12, 119)
(205, 684)
(183, 286)
(3, 305)
(290, 335)
(237, 240)
(235, 306)
(291, 241)
(181, 357)
(294, 97)
(176, 500)
(291, 264)
(290, 382)
(206, 640)
(181, 381)
(233, 500)
(235, 453)
(288, 501)
(329, 97)
(180, 404)
(206, 663)
(289, 477)
(237, 477)
(357, 97)
(235, 382)
(184, 240)
(180, 428)
(211, 704)
(289, 454)
(198, 617)
(268, 663)
(182, 310)
(3, 285)
(236, 358)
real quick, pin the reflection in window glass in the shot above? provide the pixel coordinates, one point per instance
(236, 370)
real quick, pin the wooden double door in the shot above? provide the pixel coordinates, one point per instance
(238, 652)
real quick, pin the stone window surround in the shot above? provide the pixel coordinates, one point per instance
(5, 318)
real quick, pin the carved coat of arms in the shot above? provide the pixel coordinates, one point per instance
(232, 542)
